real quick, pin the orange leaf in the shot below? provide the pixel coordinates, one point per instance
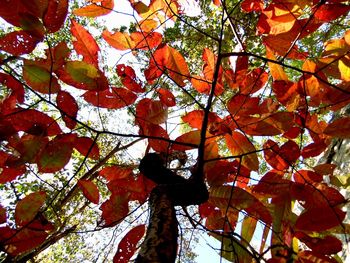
(192, 137)
(237, 198)
(240, 146)
(339, 128)
(93, 10)
(167, 58)
(90, 190)
(276, 70)
(195, 118)
(84, 43)
(28, 207)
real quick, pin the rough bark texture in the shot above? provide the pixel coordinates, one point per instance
(160, 244)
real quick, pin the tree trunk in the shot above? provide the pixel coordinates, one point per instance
(160, 244)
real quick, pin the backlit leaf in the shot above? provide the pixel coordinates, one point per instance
(241, 147)
(128, 244)
(114, 209)
(84, 43)
(192, 137)
(339, 128)
(90, 190)
(56, 154)
(18, 43)
(151, 111)
(115, 172)
(114, 98)
(320, 219)
(69, 108)
(34, 122)
(39, 78)
(28, 207)
(237, 198)
(166, 97)
(87, 147)
(129, 78)
(55, 15)
(83, 75)
(16, 242)
(166, 58)
(96, 8)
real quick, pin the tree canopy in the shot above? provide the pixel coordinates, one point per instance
(249, 94)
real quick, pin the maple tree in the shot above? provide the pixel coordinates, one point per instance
(247, 92)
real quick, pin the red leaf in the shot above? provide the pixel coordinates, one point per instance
(90, 190)
(253, 81)
(34, 122)
(272, 184)
(128, 244)
(252, 5)
(16, 242)
(320, 219)
(160, 137)
(84, 43)
(166, 97)
(321, 246)
(339, 128)
(306, 176)
(166, 58)
(129, 79)
(14, 85)
(55, 15)
(281, 158)
(29, 147)
(314, 149)
(18, 43)
(87, 147)
(114, 98)
(195, 118)
(3, 215)
(151, 111)
(115, 209)
(69, 108)
(56, 154)
(28, 208)
(240, 146)
(10, 174)
(331, 11)
(93, 10)
(115, 172)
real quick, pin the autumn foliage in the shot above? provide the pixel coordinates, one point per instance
(257, 118)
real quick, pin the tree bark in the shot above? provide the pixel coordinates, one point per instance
(160, 244)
